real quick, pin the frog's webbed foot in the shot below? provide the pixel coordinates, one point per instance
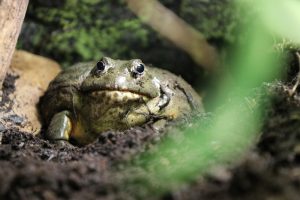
(157, 121)
(63, 144)
(60, 127)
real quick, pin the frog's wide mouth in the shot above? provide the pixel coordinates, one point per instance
(119, 95)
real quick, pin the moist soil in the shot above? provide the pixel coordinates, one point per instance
(34, 168)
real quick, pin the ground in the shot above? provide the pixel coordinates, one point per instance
(34, 168)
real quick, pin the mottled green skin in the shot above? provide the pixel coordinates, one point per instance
(115, 99)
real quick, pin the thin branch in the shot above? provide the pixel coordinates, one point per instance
(176, 30)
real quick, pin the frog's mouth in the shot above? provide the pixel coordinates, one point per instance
(121, 96)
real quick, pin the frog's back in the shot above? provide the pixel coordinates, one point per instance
(72, 76)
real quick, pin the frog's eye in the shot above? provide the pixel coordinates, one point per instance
(138, 69)
(100, 66)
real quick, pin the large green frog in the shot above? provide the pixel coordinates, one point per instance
(90, 98)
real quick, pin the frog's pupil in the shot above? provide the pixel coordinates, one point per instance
(140, 68)
(100, 66)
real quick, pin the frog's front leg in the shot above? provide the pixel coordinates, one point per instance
(60, 127)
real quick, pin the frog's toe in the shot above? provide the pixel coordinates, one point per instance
(63, 144)
(60, 126)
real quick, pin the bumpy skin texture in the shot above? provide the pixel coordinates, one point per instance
(113, 95)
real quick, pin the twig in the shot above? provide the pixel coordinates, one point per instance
(176, 30)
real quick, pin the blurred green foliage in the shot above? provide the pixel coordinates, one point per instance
(239, 108)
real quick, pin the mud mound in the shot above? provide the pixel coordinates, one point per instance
(34, 168)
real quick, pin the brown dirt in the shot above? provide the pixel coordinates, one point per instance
(34, 168)
(35, 73)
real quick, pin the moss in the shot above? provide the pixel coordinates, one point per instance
(220, 18)
(70, 31)
(79, 30)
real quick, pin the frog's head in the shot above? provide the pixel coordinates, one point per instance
(123, 79)
(119, 94)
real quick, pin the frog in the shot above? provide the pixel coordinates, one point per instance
(90, 98)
